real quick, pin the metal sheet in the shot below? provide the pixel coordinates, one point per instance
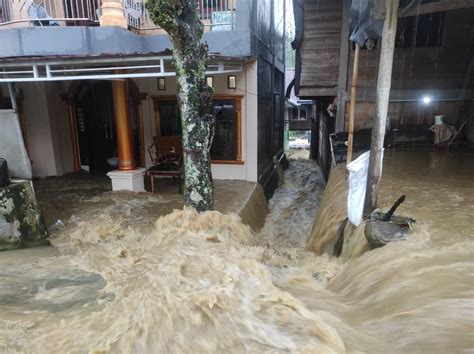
(366, 18)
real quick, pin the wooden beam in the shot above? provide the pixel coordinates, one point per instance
(311, 92)
(384, 80)
(238, 128)
(355, 71)
(343, 66)
(441, 6)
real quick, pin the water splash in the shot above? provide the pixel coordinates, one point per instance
(208, 283)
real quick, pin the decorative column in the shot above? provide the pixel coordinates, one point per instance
(112, 14)
(126, 158)
(127, 177)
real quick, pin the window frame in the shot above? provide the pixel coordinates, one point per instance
(238, 123)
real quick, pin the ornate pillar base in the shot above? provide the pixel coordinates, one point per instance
(112, 14)
(128, 180)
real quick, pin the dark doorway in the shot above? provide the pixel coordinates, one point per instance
(95, 123)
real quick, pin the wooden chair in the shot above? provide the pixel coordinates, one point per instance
(166, 154)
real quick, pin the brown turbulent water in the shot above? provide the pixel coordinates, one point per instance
(207, 283)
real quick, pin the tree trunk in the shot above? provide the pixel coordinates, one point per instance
(180, 18)
(384, 81)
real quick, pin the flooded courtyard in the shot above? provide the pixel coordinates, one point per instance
(120, 279)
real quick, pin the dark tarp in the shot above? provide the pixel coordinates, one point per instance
(366, 19)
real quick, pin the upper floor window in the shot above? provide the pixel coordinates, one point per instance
(421, 31)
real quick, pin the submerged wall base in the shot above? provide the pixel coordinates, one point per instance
(21, 222)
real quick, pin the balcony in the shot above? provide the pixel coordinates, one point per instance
(216, 15)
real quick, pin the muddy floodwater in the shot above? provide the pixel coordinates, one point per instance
(121, 281)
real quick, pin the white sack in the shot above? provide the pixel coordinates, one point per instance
(357, 185)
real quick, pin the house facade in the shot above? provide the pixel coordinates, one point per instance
(432, 70)
(91, 77)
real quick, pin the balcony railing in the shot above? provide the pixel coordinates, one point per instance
(49, 12)
(217, 15)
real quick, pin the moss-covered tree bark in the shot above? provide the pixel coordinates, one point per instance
(180, 18)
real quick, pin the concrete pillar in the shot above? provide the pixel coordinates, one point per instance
(123, 126)
(127, 177)
(113, 13)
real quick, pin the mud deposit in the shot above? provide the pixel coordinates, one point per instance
(192, 283)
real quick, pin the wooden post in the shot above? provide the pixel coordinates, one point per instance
(343, 67)
(384, 81)
(355, 73)
(126, 160)
(73, 134)
(314, 146)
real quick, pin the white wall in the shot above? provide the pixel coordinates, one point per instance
(60, 130)
(47, 126)
(12, 147)
(40, 144)
(247, 87)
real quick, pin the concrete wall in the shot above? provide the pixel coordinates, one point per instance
(247, 87)
(12, 147)
(60, 132)
(40, 141)
(96, 41)
(47, 126)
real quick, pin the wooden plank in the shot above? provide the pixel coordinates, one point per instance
(320, 45)
(328, 76)
(332, 15)
(316, 80)
(343, 66)
(324, 17)
(325, 78)
(320, 55)
(317, 92)
(321, 25)
(322, 5)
